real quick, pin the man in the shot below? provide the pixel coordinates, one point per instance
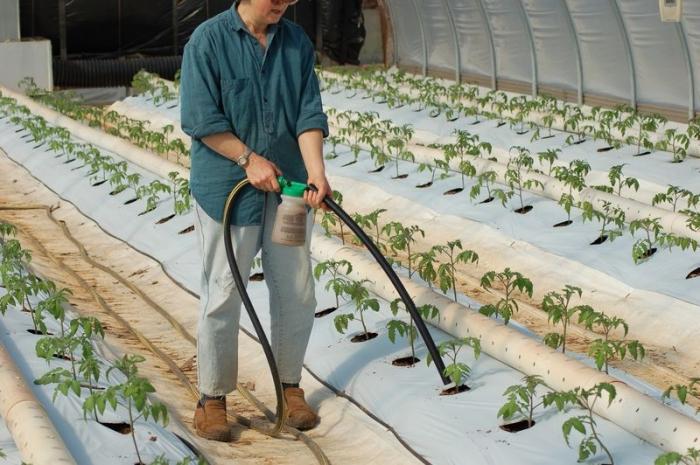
(251, 103)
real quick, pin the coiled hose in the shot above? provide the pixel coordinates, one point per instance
(245, 298)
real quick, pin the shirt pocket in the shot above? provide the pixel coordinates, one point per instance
(238, 100)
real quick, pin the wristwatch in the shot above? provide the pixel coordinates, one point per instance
(245, 158)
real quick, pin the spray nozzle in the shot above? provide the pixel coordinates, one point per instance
(291, 188)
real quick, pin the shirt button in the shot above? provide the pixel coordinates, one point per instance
(265, 99)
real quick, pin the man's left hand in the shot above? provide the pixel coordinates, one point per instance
(315, 199)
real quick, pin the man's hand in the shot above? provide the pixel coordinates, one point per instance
(262, 173)
(315, 199)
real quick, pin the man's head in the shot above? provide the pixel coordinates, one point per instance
(268, 11)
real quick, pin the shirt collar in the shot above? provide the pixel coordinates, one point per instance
(238, 24)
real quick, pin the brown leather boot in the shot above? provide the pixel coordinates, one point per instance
(301, 416)
(210, 420)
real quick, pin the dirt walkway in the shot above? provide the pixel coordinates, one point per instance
(139, 305)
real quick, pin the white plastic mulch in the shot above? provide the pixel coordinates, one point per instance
(87, 441)
(443, 429)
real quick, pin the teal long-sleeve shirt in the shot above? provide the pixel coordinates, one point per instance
(266, 97)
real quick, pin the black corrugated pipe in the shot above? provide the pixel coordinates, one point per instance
(113, 72)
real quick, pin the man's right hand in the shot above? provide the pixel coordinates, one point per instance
(262, 173)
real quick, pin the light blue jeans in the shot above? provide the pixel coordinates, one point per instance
(290, 283)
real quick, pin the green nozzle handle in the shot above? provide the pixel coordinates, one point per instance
(291, 188)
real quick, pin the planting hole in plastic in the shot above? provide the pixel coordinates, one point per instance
(166, 219)
(325, 311)
(258, 277)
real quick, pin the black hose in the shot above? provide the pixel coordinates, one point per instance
(398, 285)
(262, 337)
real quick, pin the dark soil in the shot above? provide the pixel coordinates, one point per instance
(325, 311)
(424, 185)
(39, 333)
(188, 229)
(641, 154)
(548, 137)
(166, 219)
(693, 274)
(453, 118)
(122, 428)
(130, 201)
(600, 240)
(99, 183)
(349, 163)
(454, 191)
(37, 146)
(648, 253)
(76, 168)
(405, 361)
(605, 149)
(363, 337)
(401, 176)
(502, 123)
(117, 191)
(579, 142)
(487, 200)
(377, 170)
(523, 210)
(474, 123)
(563, 223)
(69, 161)
(455, 390)
(520, 133)
(257, 277)
(146, 211)
(517, 426)
(63, 357)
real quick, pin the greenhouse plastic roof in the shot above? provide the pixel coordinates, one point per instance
(617, 49)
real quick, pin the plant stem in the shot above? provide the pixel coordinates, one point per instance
(133, 434)
(31, 312)
(410, 338)
(362, 320)
(595, 436)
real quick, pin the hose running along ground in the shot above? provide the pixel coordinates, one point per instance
(177, 371)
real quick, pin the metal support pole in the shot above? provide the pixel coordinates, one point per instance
(62, 29)
(533, 52)
(393, 33)
(628, 48)
(579, 62)
(689, 64)
(487, 24)
(422, 36)
(455, 38)
(174, 20)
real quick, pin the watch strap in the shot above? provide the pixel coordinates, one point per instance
(242, 160)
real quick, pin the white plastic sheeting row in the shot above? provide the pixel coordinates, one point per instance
(608, 48)
(444, 430)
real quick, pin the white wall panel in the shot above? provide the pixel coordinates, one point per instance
(474, 45)
(554, 43)
(691, 27)
(438, 34)
(510, 38)
(605, 68)
(405, 23)
(660, 66)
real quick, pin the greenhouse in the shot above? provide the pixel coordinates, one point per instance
(343, 232)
